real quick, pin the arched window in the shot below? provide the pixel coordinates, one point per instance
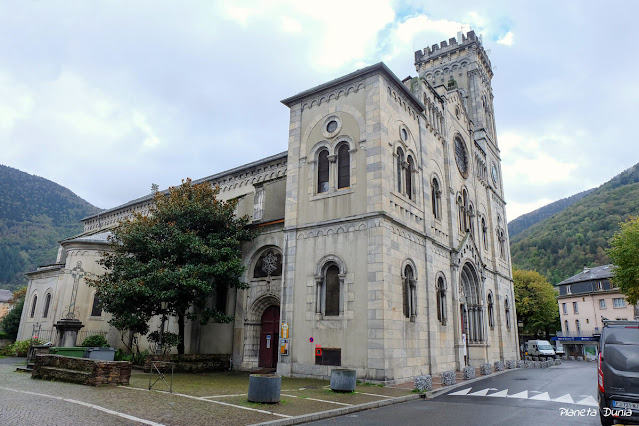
(47, 304)
(507, 309)
(484, 232)
(501, 239)
(400, 166)
(33, 305)
(408, 293)
(471, 216)
(343, 167)
(435, 194)
(269, 264)
(331, 298)
(322, 171)
(409, 178)
(577, 327)
(441, 301)
(491, 313)
(464, 211)
(567, 329)
(96, 310)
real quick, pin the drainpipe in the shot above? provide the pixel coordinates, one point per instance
(284, 267)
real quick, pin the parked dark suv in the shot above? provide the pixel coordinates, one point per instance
(618, 372)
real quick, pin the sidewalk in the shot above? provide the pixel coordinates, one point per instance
(218, 398)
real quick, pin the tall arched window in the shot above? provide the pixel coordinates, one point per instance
(47, 304)
(343, 167)
(96, 309)
(33, 306)
(507, 309)
(471, 216)
(400, 166)
(331, 298)
(408, 293)
(441, 301)
(484, 232)
(567, 329)
(435, 194)
(491, 314)
(322, 171)
(409, 178)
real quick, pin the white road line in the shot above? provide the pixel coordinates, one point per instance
(522, 395)
(374, 394)
(541, 397)
(589, 401)
(199, 398)
(482, 392)
(225, 396)
(566, 398)
(320, 400)
(461, 392)
(86, 404)
(500, 394)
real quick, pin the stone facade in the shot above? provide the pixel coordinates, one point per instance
(384, 246)
(81, 370)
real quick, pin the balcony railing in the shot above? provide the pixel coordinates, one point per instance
(580, 333)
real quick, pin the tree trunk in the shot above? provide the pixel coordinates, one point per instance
(180, 346)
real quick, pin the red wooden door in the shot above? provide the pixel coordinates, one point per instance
(269, 337)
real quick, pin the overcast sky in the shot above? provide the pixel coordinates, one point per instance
(107, 97)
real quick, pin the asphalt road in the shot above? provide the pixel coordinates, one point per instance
(565, 394)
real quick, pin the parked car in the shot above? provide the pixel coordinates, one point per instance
(618, 372)
(559, 349)
(540, 348)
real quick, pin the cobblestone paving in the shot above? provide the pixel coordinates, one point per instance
(197, 399)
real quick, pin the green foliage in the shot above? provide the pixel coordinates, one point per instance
(187, 247)
(35, 214)
(624, 252)
(95, 341)
(120, 355)
(11, 321)
(559, 246)
(169, 340)
(4, 335)
(536, 303)
(20, 348)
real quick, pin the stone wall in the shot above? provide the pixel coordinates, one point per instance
(82, 371)
(192, 362)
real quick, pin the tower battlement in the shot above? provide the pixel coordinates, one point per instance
(445, 47)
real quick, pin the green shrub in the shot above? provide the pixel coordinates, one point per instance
(20, 348)
(120, 355)
(95, 341)
(4, 335)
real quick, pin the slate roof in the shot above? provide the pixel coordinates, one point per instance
(590, 274)
(5, 295)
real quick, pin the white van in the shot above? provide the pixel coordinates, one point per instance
(559, 348)
(540, 348)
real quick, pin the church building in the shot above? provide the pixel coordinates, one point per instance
(383, 244)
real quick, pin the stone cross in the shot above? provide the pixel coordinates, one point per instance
(77, 273)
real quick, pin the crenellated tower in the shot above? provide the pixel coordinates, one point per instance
(464, 60)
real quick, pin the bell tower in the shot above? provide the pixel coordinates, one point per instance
(462, 62)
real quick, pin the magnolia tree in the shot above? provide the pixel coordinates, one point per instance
(624, 253)
(171, 261)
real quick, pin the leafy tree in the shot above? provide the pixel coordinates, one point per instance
(624, 252)
(10, 323)
(536, 303)
(184, 251)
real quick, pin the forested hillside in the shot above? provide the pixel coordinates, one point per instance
(559, 246)
(529, 219)
(35, 214)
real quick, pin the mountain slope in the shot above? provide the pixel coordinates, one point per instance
(529, 219)
(559, 246)
(35, 214)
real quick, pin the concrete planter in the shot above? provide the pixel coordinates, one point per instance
(499, 365)
(264, 388)
(469, 373)
(486, 369)
(343, 380)
(424, 383)
(448, 378)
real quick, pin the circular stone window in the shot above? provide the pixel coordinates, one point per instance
(461, 156)
(404, 134)
(332, 126)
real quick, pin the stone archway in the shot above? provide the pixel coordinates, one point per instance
(471, 303)
(253, 329)
(269, 337)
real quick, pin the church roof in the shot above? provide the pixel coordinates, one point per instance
(590, 274)
(378, 67)
(210, 178)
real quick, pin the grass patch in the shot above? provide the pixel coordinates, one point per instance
(379, 385)
(264, 406)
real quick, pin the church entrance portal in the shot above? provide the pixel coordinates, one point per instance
(269, 337)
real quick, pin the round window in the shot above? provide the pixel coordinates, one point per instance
(331, 126)
(461, 157)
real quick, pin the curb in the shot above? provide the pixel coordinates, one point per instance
(370, 405)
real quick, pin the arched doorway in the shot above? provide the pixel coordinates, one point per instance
(269, 337)
(472, 322)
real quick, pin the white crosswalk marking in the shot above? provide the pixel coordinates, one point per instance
(461, 392)
(566, 398)
(589, 401)
(482, 392)
(542, 397)
(523, 395)
(500, 394)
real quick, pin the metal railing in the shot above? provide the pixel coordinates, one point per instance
(579, 333)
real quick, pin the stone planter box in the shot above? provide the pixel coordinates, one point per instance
(192, 363)
(424, 383)
(510, 364)
(81, 370)
(449, 378)
(343, 380)
(499, 366)
(264, 388)
(520, 364)
(485, 369)
(469, 373)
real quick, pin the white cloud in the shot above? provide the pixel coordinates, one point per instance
(507, 39)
